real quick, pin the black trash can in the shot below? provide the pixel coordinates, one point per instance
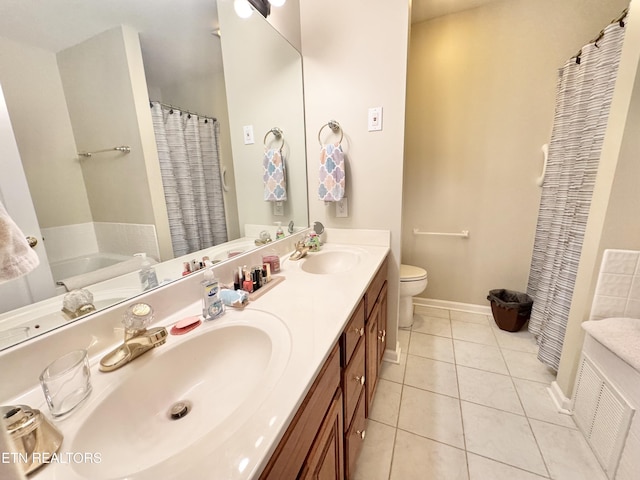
(510, 309)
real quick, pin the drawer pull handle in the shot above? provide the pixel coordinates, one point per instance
(359, 379)
(382, 335)
(359, 331)
(361, 434)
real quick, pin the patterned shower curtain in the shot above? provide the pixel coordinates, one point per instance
(189, 154)
(584, 93)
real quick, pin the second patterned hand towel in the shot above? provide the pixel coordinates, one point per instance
(275, 178)
(332, 173)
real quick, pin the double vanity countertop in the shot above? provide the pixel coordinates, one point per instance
(244, 374)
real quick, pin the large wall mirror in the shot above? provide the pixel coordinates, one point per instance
(81, 77)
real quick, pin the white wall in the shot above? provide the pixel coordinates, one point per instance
(355, 56)
(35, 99)
(480, 104)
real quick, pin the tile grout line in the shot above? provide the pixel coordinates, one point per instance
(535, 439)
(395, 433)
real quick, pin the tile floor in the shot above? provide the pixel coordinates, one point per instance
(468, 401)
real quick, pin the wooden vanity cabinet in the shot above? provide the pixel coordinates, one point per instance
(359, 387)
(376, 330)
(301, 449)
(328, 431)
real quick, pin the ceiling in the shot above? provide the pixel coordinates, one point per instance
(422, 10)
(172, 32)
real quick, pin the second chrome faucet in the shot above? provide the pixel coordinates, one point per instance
(137, 339)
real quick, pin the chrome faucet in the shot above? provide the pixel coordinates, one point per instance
(265, 237)
(301, 251)
(77, 303)
(137, 339)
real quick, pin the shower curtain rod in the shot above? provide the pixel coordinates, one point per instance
(619, 19)
(173, 107)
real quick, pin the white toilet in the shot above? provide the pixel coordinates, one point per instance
(413, 280)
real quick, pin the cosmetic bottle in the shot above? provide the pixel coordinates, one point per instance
(237, 281)
(314, 242)
(247, 285)
(212, 306)
(148, 277)
(279, 231)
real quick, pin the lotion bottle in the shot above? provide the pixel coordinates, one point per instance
(212, 306)
(147, 274)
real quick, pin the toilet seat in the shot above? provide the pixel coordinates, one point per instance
(410, 273)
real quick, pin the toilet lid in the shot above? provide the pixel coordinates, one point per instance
(409, 273)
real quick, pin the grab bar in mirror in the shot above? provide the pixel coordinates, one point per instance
(463, 234)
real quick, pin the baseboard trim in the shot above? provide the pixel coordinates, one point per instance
(449, 305)
(562, 403)
(392, 356)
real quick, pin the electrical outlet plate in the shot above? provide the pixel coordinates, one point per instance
(342, 208)
(247, 132)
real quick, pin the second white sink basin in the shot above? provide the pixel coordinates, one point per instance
(331, 261)
(221, 375)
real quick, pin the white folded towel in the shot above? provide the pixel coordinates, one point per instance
(17, 258)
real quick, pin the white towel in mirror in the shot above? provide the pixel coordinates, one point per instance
(17, 258)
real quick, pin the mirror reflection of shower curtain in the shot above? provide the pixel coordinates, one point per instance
(189, 155)
(584, 93)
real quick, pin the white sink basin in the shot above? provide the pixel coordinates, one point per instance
(223, 374)
(330, 262)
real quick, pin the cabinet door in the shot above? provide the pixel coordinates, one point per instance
(382, 323)
(372, 355)
(354, 438)
(326, 459)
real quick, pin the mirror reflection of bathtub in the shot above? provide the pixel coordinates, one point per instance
(83, 265)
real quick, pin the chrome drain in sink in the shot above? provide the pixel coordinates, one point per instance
(179, 409)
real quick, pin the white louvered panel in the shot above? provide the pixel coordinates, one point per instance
(585, 400)
(630, 461)
(610, 427)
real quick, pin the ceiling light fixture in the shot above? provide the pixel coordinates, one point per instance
(243, 8)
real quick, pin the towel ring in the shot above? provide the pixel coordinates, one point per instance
(276, 132)
(335, 128)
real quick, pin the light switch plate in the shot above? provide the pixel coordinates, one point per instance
(375, 119)
(247, 131)
(278, 209)
(342, 208)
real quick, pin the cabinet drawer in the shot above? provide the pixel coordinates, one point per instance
(353, 333)
(374, 287)
(353, 381)
(355, 438)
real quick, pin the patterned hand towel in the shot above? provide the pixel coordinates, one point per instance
(275, 176)
(16, 257)
(332, 173)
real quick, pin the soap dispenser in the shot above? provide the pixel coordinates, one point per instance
(148, 277)
(212, 306)
(279, 231)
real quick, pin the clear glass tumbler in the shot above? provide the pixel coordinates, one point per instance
(66, 382)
